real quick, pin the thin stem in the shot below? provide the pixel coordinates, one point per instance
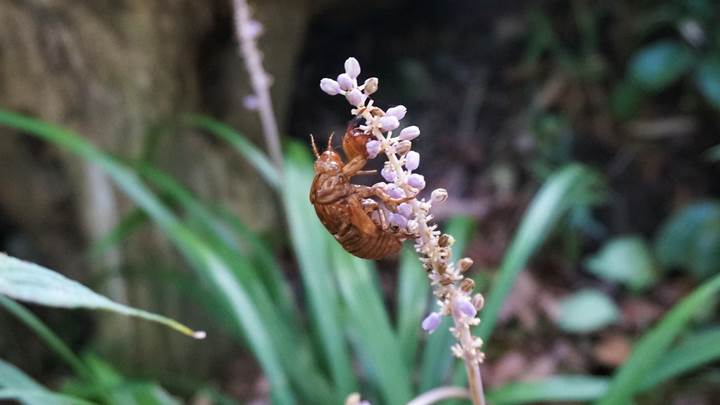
(472, 367)
(259, 80)
(438, 394)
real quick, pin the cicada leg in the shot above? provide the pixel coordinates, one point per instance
(382, 195)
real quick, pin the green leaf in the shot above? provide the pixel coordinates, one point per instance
(626, 260)
(29, 282)
(555, 388)
(707, 78)
(655, 343)
(310, 243)
(370, 326)
(694, 351)
(412, 302)
(250, 152)
(47, 335)
(660, 64)
(14, 384)
(207, 263)
(29, 396)
(564, 189)
(691, 239)
(586, 311)
(626, 100)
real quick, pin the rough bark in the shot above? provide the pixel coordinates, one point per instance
(114, 70)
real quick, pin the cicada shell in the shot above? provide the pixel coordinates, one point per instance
(347, 210)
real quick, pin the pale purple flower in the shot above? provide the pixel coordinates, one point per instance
(345, 82)
(352, 67)
(398, 111)
(329, 86)
(409, 133)
(252, 29)
(397, 219)
(394, 191)
(465, 307)
(388, 174)
(431, 322)
(417, 181)
(412, 160)
(389, 122)
(373, 148)
(250, 102)
(405, 210)
(355, 97)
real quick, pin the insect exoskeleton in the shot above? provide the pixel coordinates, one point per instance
(353, 214)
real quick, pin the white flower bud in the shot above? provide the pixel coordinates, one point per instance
(329, 86)
(403, 147)
(412, 160)
(389, 122)
(345, 82)
(439, 195)
(355, 97)
(409, 133)
(398, 111)
(352, 67)
(371, 85)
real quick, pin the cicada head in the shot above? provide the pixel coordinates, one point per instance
(329, 161)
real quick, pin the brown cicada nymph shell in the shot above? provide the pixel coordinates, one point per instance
(350, 212)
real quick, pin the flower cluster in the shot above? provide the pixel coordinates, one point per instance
(452, 289)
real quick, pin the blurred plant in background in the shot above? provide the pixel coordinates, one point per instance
(343, 333)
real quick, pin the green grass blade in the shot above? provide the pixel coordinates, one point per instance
(555, 388)
(133, 221)
(310, 244)
(559, 193)
(412, 302)
(29, 396)
(205, 260)
(250, 152)
(695, 351)
(225, 237)
(266, 287)
(654, 344)
(13, 377)
(48, 336)
(29, 282)
(437, 358)
(370, 326)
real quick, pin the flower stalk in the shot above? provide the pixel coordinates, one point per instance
(454, 292)
(247, 31)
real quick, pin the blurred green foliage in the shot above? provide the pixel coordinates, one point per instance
(314, 361)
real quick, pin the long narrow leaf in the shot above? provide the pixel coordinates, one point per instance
(29, 282)
(210, 265)
(244, 147)
(370, 326)
(653, 345)
(694, 351)
(412, 299)
(47, 335)
(555, 388)
(310, 241)
(563, 189)
(30, 396)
